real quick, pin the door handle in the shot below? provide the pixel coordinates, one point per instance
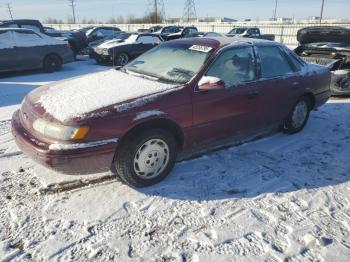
(296, 83)
(253, 94)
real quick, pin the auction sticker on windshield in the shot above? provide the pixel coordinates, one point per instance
(201, 48)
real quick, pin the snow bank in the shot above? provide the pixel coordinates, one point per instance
(79, 96)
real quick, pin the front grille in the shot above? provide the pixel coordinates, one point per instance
(320, 60)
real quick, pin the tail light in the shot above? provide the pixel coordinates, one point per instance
(68, 45)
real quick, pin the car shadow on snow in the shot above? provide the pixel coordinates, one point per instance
(317, 157)
(15, 86)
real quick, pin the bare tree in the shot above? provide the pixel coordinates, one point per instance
(9, 8)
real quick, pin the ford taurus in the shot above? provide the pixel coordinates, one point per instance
(182, 95)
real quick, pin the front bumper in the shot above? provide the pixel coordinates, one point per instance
(78, 160)
(340, 83)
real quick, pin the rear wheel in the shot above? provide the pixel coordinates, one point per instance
(298, 117)
(146, 158)
(52, 63)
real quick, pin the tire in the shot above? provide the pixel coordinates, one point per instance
(146, 158)
(298, 117)
(52, 63)
(122, 59)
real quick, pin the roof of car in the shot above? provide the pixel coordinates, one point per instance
(217, 42)
(16, 29)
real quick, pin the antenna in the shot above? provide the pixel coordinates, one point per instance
(189, 11)
(72, 5)
(156, 8)
(9, 8)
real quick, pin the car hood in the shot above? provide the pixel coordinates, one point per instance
(317, 34)
(118, 42)
(78, 97)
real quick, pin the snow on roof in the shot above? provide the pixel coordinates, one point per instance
(79, 96)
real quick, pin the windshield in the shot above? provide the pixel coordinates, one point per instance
(237, 31)
(171, 63)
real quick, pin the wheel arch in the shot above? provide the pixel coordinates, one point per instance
(312, 99)
(161, 123)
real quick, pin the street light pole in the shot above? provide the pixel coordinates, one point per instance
(321, 15)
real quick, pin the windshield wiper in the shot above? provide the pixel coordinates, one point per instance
(141, 75)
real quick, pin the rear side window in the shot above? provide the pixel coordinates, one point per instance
(273, 62)
(6, 40)
(32, 27)
(27, 38)
(145, 40)
(235, 66)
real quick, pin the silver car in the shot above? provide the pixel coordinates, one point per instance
(24, 49)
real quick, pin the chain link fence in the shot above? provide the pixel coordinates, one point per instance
(285, 33)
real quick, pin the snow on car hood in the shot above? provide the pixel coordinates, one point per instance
(79, 96)
(116, 42)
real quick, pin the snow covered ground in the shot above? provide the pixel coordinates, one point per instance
(281, 198)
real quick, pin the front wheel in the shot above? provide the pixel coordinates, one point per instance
(122, 59)
(146, 158)
(298, 117)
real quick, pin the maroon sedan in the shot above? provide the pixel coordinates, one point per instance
(183, 95)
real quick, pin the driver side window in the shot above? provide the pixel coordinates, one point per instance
(235, 66)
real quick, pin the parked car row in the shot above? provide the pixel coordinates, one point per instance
(329, 46)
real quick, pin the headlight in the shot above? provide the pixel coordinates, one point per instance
(54, 130)
(105, 51)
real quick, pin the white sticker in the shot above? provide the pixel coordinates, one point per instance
(201, 48)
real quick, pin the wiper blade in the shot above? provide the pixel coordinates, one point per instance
(141, 75)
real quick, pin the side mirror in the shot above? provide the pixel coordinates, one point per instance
(208, 83)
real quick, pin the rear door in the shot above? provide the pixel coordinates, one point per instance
(31, 47)
(219, 114)
(9, 58)
(282, 85)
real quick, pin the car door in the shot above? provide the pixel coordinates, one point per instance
(281, 85)
(31, 48)
(9, 58)
(143, 44)
(218, 114)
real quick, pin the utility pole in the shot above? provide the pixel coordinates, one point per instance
(189, 11)
(275, 11)
(156, 10)
(72, 5)
(321, 14)
(9, 8)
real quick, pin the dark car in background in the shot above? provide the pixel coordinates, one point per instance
(328, 46)
(182, 96)
(24, 49)
(250, 32)
(167, 30)
(121, 52)
(186, 32)
(101, 32)
(76, 39)
(117, 38)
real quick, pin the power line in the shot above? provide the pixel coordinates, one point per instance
(189, 11)
(72, 5)
(9, 8)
